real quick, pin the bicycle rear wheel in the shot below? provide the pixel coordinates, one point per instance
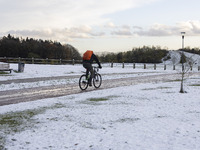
(97, 80)
(83, 82)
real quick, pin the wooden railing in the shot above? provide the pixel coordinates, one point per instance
(156, 66)
(64, 61)
(38, 60)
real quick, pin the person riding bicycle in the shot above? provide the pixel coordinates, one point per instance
(88, 58)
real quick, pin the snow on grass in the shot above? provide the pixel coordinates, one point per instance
(152, 116)
(34, 71)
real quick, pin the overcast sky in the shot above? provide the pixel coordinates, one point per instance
(104, 25)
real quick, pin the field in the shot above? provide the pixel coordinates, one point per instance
(144, 116)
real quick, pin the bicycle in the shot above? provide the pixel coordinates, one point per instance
(96, 79)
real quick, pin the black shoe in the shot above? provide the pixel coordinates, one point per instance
(90, 84)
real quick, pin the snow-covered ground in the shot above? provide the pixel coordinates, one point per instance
(152, 116)
(37, 71)
(34, 71)
(176, 55)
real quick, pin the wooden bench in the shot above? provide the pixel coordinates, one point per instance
(5, 67)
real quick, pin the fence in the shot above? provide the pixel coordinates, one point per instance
(154, 66)
(38, 61)
(64, 61)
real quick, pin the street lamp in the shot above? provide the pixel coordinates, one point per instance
(182, 33)
(182, 54)
(183, 72)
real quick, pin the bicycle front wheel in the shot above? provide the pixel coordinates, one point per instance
(83, 82)
(97, 80)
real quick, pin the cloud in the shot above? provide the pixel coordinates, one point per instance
(156, 30)
(109, 25)
(98, 34)
(23, 14)
(137, 28)
(64, 20)
(62, 35)
(122, 33)
(124, 30)
(191, 28)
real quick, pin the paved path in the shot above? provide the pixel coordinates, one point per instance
(31, 94)
(26, 80)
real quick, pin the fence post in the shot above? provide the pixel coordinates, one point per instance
(111, 64)
(19, 59)
(32, 60)
(5, 59)
(123, 65)
(145, 66)
(133, 65)
(154, 66)
(165, 67)
(46, 60)
(60, 61)
(73, 61)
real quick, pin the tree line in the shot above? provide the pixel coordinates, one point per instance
(143, 54)
(192, 50)
(11, 46)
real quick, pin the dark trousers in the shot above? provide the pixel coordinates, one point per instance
(88, 67)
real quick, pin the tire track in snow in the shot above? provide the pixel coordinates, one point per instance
(31, 94)
(29, 80)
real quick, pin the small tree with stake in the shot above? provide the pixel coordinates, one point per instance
(187, 64)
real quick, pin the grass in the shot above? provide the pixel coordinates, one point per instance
(195, 85)
(95, 101)
(14, 122)
(98, 99)
(131, 120)
(177, 80)
(157, 88)
(3, 72)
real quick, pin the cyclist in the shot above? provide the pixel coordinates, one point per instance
(88, 58)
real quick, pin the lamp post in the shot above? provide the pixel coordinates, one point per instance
(182, 54)
(182, 33)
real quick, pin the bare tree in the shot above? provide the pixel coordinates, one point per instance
(187, 65)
